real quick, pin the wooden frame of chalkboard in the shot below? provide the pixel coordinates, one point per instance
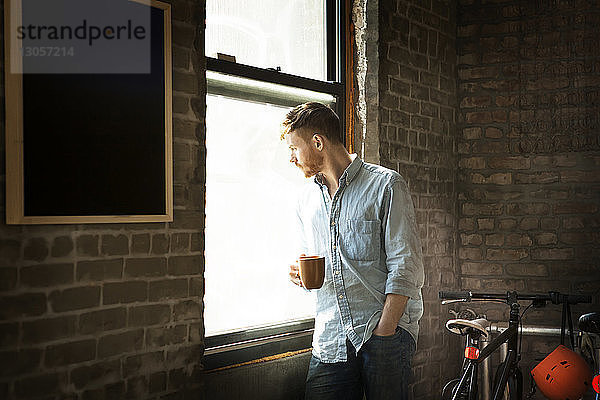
(121, 171)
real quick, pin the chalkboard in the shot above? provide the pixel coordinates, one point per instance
(91, 147)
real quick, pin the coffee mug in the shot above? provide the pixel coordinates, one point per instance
(312, 271)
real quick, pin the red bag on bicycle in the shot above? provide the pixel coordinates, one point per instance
(563, 374)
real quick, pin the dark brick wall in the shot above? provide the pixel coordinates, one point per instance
(108, 311)
(529, 155)
(417, 109)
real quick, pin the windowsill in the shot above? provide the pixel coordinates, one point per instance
(256, 343)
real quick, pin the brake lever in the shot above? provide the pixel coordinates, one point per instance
(444, 302)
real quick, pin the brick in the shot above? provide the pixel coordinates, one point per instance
(475, 101)
(164, 336)
(62, 246)
(87, 245)
(489, 147)
(573, 223)
(186, 83)
(494, 239)
(494, 179)
(528, 209)
(75, 298)
(486, 224)
(36, 249)
(137, 388)
(160, 244)
(196, 287)
(493, 133)
(552, 254)
(145, 267)
(527, 269)
(143, 364)
(168, 289)
(29, 304)
(492, 284)
(180, 242)
(99, 270)
(482, 209)
(484, 269)
(470, 253)
(8, 278)
(573, 207)
(125, 292)
(506, 254)
(149, 315)
(9, 334)
(579, 176)
(19, 362)
(540, 177)
(518, 240)
(509, 163)
(47, 275)
(478, 117)
(102, 320)
(546, 238)
(10, 251)
(140, 243)
(96, 375)
(549, 223)
(184, 355)
(115, 245)
(70, 353)
(38, 385)
(579, 238)
(185, 265)
(158, 382)
(529, 223)
(46, 330)
(120, 343)
(187, 310)
(472, 239)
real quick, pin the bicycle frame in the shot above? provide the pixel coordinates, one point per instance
(510, 336)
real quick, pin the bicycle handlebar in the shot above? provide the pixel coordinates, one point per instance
(554, 297)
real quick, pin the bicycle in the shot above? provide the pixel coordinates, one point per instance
(509, 373)
(589, 326)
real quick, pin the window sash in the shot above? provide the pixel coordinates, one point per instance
(243, 82)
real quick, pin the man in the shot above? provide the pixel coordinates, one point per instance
(361, 218)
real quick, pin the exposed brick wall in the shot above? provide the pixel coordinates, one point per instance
(529, 155)
(417, 108)
(107, 311)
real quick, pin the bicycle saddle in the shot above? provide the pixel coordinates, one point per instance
(590, 323)
(463, 326)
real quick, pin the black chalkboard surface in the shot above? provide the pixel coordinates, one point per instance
(93, 147)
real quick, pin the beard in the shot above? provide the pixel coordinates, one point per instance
(312, 166)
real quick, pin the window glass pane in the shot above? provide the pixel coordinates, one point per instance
(251, 189)
(270, 33)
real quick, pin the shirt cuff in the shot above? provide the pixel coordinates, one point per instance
(402, 287)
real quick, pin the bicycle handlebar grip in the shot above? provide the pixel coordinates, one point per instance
(454, 295)
(579, 298)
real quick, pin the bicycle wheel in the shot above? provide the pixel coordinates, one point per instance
(450, 389)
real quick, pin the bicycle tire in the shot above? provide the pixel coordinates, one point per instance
(450, 389)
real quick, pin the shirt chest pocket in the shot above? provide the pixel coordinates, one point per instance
(360, 239)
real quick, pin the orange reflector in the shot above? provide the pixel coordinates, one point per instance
(472, 353)
(596, 383)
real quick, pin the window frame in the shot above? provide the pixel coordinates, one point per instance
(243, 345)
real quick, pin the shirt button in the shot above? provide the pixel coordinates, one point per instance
(341, 296)
(337, 272)
(334, 246)
(332, 223)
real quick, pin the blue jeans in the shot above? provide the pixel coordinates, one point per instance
(381, 370)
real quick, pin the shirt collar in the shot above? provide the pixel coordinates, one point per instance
(348, 174)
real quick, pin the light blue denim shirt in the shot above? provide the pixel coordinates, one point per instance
(369, 238)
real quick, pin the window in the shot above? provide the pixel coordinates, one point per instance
(286, 53)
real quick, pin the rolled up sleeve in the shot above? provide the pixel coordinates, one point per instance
(402, 245)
